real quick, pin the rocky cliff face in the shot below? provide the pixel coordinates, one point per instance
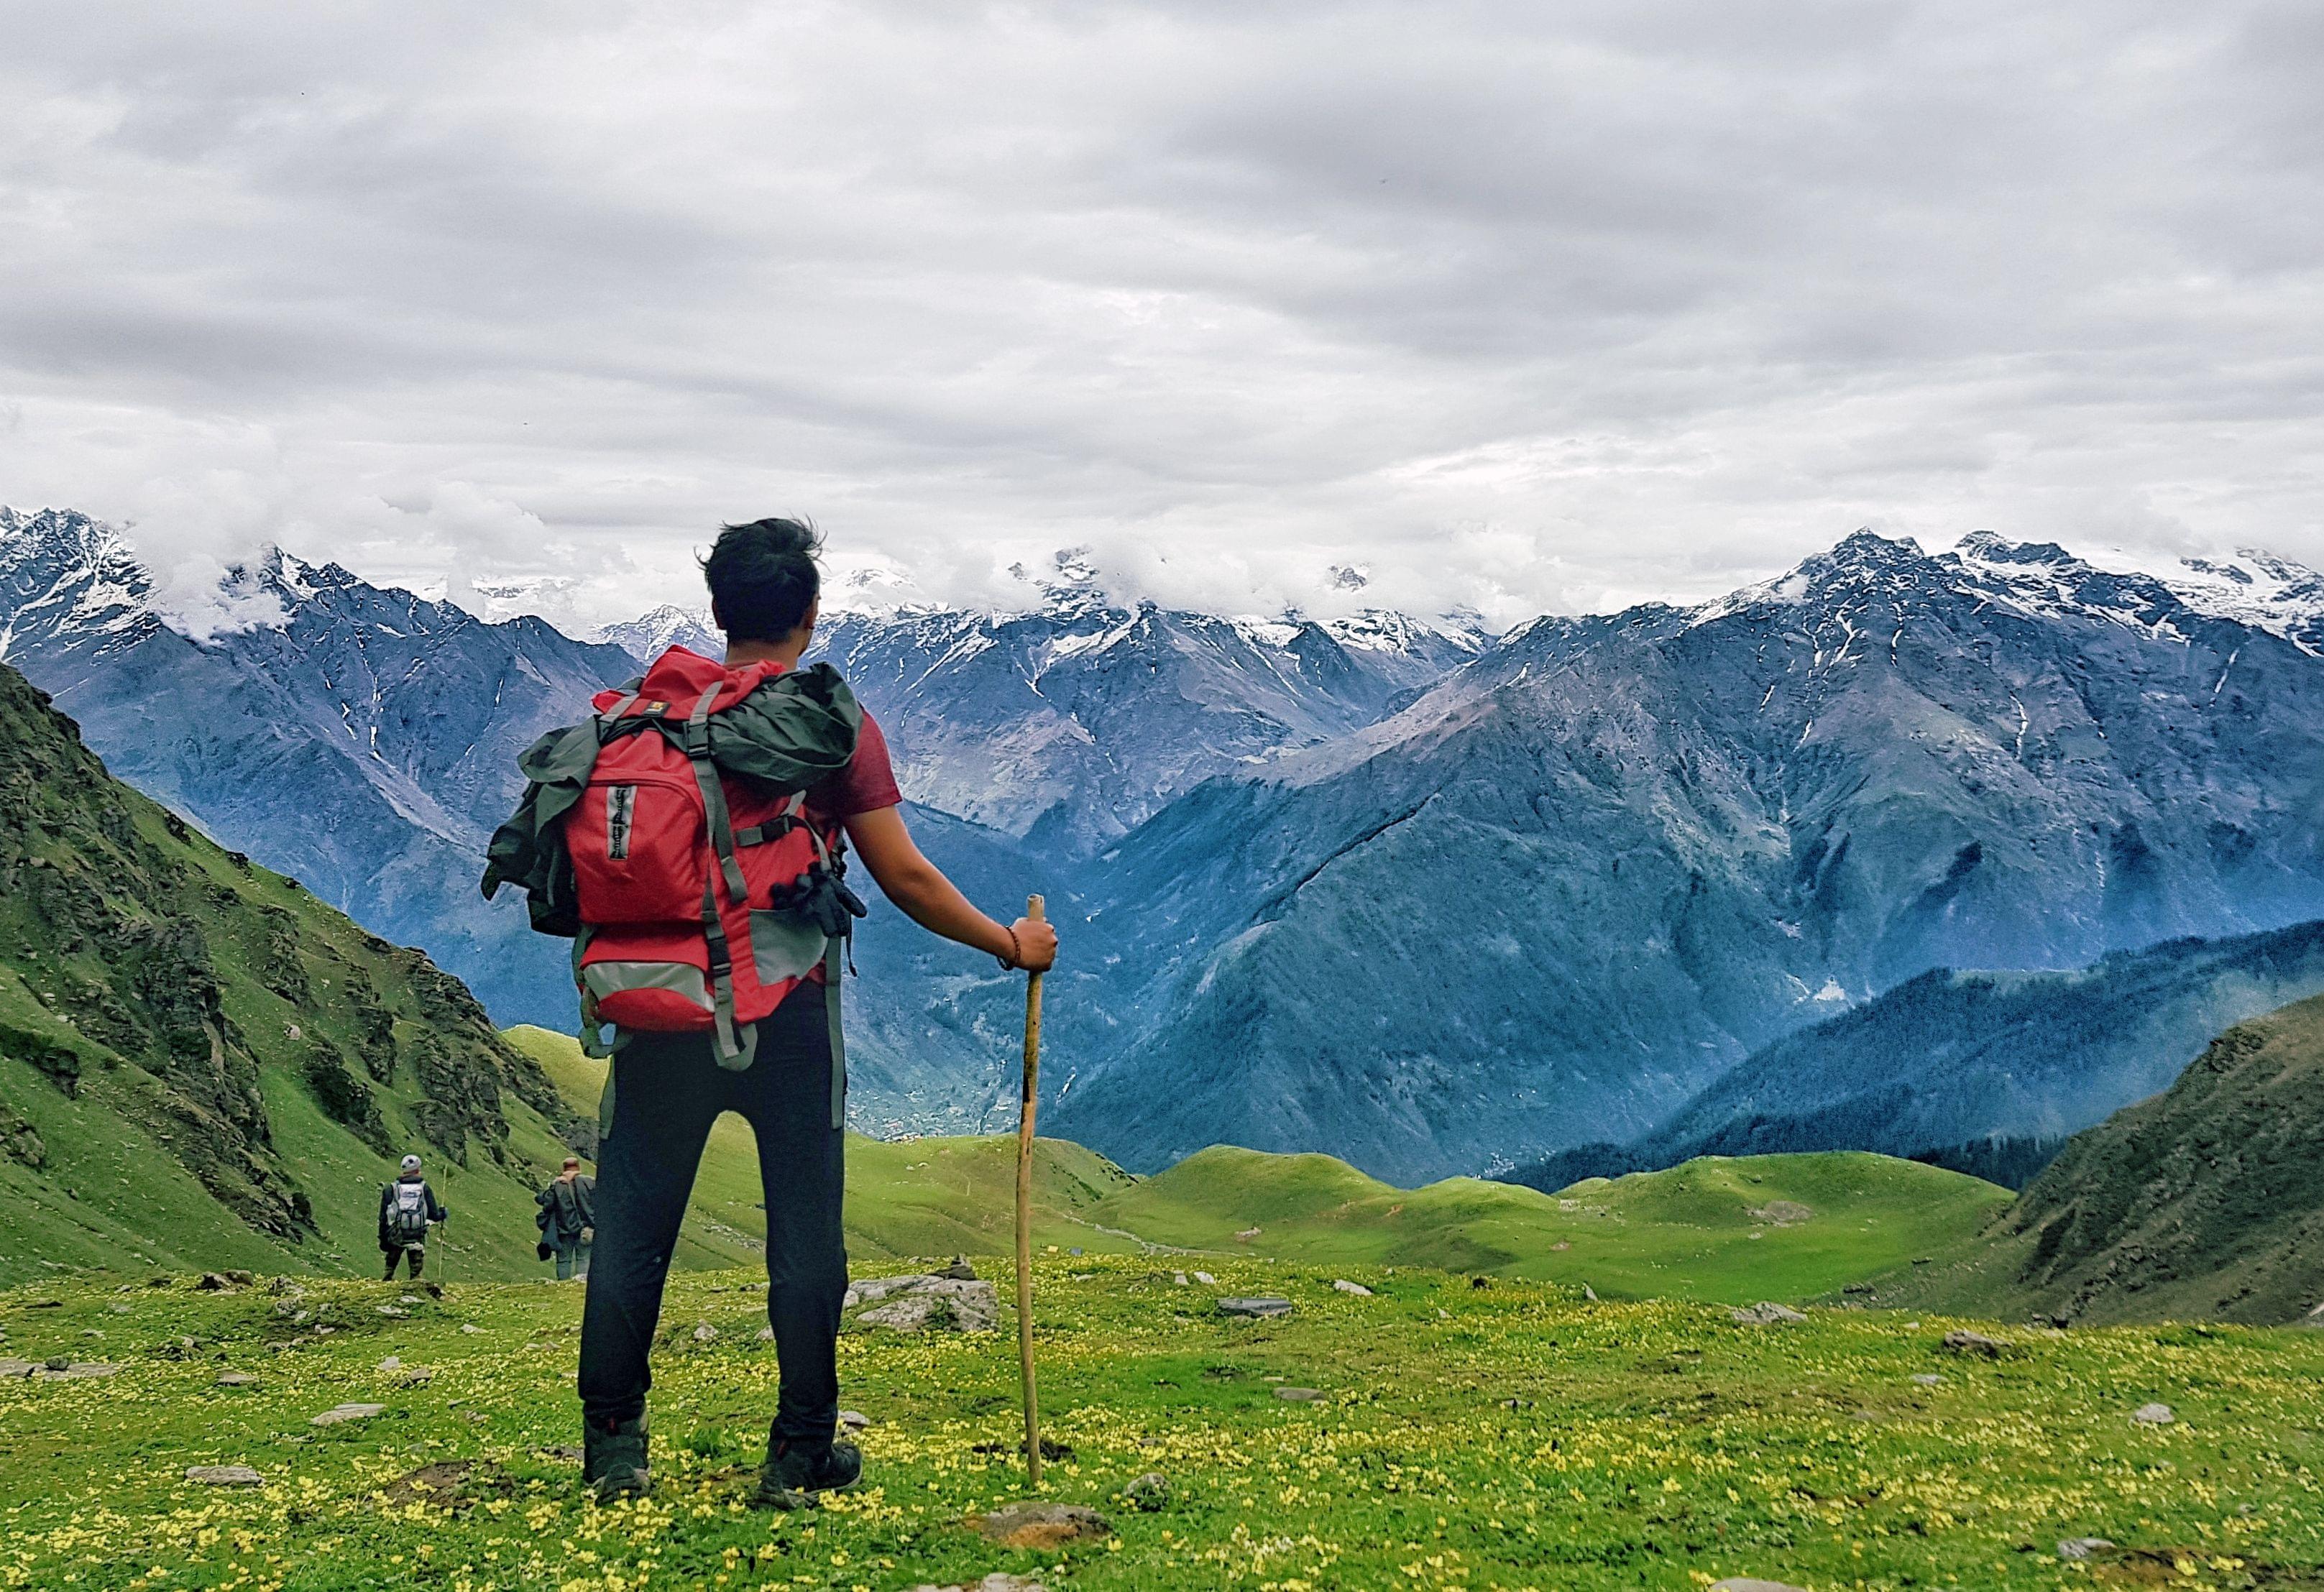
(1592, 870)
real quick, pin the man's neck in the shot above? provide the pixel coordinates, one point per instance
(786, 652)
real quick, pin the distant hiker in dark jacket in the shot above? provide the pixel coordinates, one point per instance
(781, 1070)
(406, 1207)
(568, 1220)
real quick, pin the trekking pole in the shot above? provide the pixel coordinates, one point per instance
(1028, 1103)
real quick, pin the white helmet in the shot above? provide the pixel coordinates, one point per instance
(411, 1164)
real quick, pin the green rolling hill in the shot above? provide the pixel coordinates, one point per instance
(1824, 1221)
(1765, 1227)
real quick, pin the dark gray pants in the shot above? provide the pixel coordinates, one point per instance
(668, 1090)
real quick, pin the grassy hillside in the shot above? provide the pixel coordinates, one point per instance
(201, 1065)
(2203, 1202)
(1688, 1233)
(1513, 1437)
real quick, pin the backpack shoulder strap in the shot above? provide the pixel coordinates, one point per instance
(714, 793)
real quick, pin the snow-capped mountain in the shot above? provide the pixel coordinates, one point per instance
(649, 636)
(1071, 725)
(1588, 872)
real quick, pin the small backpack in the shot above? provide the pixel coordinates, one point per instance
(407, 1210)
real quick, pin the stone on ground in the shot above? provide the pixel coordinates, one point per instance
(923, 1302)
(1150, 1491)
(1264, 1305)
(1766, 1313)
(224, 1476)
(1963, 1341)
(75, 1370)
(1927, 1378)
(2154, 1415)
(16, 1368)
(854, 1420)
(1299, 1396)
(2081, 1547)
(1751, 1583)
(705, 1333)
(1034, 1524)
(236, 1379)
(1358, 1289)
(998, 1581)
(338, 1413)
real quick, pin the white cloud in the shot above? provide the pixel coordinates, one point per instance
(1519, 306)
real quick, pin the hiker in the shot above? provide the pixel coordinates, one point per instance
(692, 837)
(406, 1207)
(567, 1220)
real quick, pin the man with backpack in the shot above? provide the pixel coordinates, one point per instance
(406, 1207)
(569, 1221)
(690, 837)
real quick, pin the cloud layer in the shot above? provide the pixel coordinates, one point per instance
(1517, 307)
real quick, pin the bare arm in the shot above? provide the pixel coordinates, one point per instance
(929, 899)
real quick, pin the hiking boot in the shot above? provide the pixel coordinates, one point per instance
(613, 1459)
(796, 1470)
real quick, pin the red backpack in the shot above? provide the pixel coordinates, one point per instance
(703, 898)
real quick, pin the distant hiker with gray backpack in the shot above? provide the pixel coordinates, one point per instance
(690, 839)
(569, 1221)
(406, 1207)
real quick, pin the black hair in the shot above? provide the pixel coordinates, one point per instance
(763, 579)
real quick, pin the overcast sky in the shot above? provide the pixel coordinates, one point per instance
(1518, 305)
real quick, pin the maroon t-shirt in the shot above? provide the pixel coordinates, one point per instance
(866, 785)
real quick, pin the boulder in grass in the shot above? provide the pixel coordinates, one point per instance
(1256, 1307)
(339, 1412)
(942, 1302)
(1976, 1345)
(1033, 1525)
(998, 1581)
(2073, 1548)
(854, 1420)
(1751, 1583)
(77, 1370)
(1358, 1289)
(1766, 1313)
(224, 1476)
(236, 1379)
(2154, 1415)
(1299, 1396)
(1150, 1491)
(9, 1368)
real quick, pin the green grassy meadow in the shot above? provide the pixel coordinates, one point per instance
(1822, 1221)
(1512, 1436)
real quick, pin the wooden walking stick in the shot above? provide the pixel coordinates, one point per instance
(1028, 1102)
